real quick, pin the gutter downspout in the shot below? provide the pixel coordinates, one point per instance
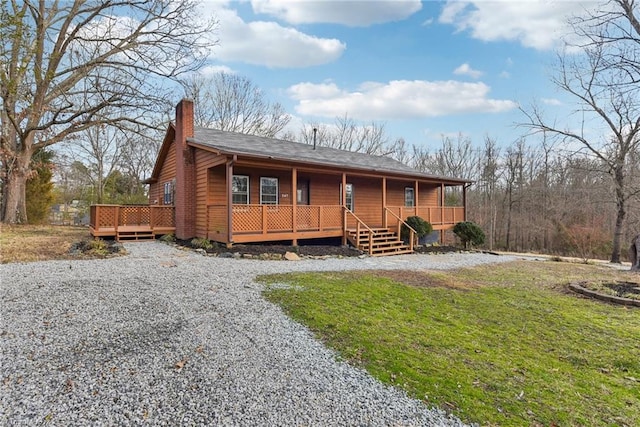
(230, 164)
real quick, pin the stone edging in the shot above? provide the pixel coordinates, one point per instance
(603, 297)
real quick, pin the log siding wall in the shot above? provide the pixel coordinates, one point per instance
(367, 199)
(167, 174)
(206, 182)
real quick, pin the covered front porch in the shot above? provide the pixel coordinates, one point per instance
(245, 201)
(266, 223)
(257, 223)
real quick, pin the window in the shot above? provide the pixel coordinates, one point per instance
(168, 193)
(349, 202)
(268, 191)
(240, 190)
(409, 197)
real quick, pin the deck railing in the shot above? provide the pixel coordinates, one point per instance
(361, 227)
(264, 219)
(399, 223)
(436, 215)
(111, 217)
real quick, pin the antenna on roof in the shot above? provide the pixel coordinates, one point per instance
(315, 131)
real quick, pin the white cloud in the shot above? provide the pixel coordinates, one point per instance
(350, 13)
(270, 44)
(505, 75)
(214, 69)
(551, 101)
(537, 24)
(466, 70)
(398, 99)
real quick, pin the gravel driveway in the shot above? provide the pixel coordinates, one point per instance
(170, 337)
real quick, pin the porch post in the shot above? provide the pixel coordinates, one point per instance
(464, 202)
(442, 211)
(294, 204)
(230, 201)
(384, 201)
(416, 187)
(344, 211)
(117, 219)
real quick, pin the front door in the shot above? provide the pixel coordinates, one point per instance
(303, 192)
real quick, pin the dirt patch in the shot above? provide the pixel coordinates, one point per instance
(618, 292)
(260, 249)
(321, 250)
(96, 248)
(625, 289)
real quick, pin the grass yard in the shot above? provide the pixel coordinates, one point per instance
(502, 344)
(25, 243)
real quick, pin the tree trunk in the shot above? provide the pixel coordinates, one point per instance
(15, 207)
(617, 234)
(634, 253)
(621, 212)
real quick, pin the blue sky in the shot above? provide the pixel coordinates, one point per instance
(425, 69)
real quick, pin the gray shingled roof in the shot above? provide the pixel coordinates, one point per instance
(237, 143)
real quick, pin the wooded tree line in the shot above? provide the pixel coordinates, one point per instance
(98, 89)
(536, 196)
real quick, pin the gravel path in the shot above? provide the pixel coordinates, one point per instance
(170, 337)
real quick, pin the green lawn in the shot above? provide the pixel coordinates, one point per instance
(498, 345)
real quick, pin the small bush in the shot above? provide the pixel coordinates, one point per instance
(202, 243)
(169, 238)
(421, 226)
(98, 247)
(469, 233)
(588, 241)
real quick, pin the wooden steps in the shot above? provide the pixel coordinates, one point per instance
(134, 233)
(384, 242)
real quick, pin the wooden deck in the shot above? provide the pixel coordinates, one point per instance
(264, 223)
(131, 222)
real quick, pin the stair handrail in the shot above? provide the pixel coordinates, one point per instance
(358, 223)
(412, 232)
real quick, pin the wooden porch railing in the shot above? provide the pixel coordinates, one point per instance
(109, 218)
(360, 224)
(436, 215)
(400, 222)
(264, 219)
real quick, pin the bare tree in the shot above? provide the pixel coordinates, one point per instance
(138, 156)
(100, 150)
(454, 158)
(488, 178)
(603, 79)
(69, 66)
(400, 151)
(347, 134)
(233, 103)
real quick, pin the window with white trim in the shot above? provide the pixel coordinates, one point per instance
(409, 197)
(349, 196)
(168, 193)
(240, 190)
(268, 191)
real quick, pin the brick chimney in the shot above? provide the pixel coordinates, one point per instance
(185, 188)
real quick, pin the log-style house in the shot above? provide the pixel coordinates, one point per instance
(234, 188)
